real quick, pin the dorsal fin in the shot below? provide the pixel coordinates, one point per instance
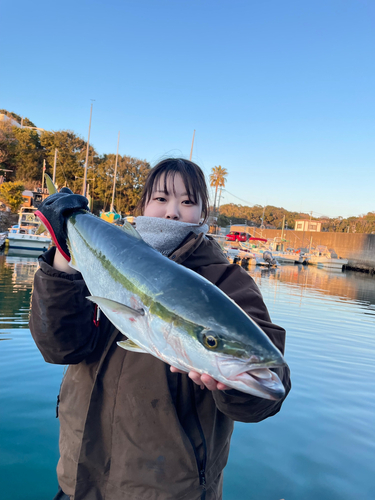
(128, 228)
(52, 189)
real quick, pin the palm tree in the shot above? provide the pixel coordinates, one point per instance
(218, 179)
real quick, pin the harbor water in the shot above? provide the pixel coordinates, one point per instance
(320, 446)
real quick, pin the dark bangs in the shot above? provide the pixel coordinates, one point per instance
(192, 177)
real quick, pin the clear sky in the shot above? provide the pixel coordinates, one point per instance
(280, 92)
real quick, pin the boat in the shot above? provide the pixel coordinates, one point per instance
(23, 235)
(266, 260)
(321, 256)
(288, 256)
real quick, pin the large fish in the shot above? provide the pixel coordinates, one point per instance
(169, 311)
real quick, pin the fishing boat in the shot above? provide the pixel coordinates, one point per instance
(23, 235)
(321, 256)
(286, 256)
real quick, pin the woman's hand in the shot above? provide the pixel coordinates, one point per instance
(203, 380)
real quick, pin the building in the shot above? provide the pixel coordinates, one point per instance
(308, 225)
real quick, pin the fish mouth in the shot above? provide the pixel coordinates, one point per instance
(264, 381)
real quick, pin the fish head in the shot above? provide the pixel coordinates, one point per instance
(244, 360)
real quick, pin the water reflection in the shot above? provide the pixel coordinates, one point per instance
(321, 444)
(16, 280)
(346, 285)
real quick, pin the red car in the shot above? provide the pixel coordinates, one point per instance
(236, 236)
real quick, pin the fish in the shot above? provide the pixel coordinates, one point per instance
(169, 311)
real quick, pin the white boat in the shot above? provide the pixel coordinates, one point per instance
(22, 236)
(288, 256)
(231, 252)
(321, 256)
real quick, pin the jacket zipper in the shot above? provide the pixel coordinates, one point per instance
(200, 464)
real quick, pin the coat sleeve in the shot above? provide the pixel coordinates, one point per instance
(239, 286)
(61, 318)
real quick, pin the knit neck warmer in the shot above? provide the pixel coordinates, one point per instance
(165, 235)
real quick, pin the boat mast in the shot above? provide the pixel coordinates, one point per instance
(192, 145)
(114, 178)
(84, 187)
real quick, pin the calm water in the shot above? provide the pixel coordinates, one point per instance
(321, 444)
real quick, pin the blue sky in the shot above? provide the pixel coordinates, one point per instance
(280, 92)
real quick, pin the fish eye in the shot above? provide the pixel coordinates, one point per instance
(210, 341)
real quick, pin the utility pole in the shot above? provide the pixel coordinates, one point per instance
(54, 167)
(114, 179)
(262, 225)
(192, 144)
(44, 169)
(218, 205)
(84, 187)
(282, 228)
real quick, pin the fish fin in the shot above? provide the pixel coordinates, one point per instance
(116, 306)
(41, 229)
(52, 189)
(91, 202)
(129, 345)
(128, 228)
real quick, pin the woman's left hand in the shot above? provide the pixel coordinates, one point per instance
(203, 380)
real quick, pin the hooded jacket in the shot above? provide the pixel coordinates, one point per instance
(129, 428)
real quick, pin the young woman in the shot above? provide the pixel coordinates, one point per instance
(131, 427)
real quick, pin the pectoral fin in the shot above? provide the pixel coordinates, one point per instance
(129, 345)
(116, 306)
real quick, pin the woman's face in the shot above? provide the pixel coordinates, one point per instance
(174, 203)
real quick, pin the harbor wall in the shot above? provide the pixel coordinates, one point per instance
(358, 248)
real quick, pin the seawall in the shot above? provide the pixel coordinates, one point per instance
(358, 248)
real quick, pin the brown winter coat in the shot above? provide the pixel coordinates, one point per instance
(129, 428)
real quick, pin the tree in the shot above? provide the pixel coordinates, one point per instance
(7, 145)
(131, 176)
(11, 194)
(71, 157)
(28, 155)
(218, 179)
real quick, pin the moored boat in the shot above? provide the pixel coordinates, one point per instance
(321, 256)
(23, 235)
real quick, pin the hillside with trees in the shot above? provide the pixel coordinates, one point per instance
(273, 216)
(23, 152)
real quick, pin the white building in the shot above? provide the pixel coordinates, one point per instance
(308, 225)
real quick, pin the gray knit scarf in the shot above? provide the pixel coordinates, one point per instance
(165, 235)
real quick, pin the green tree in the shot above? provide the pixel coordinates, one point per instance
(71, 157)
(130, 178)
(28, 155)
(218, 179)
(7, 146)
(11, 194)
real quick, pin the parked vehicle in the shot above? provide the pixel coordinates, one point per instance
(236, 236)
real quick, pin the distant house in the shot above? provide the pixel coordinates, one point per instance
(14, 123)
(308, 225)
